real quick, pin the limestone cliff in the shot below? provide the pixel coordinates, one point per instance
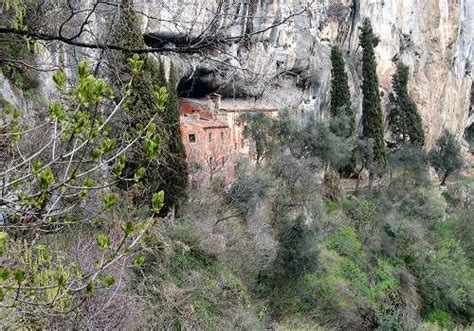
(288, 64)
(434, 37)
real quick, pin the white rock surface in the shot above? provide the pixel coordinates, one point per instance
(289, 64)
(434, 37)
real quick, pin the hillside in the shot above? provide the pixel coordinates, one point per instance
(248, 165)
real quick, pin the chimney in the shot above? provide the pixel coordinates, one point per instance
(195, 116)
(215, 102)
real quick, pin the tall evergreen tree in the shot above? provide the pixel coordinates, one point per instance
(159, 75)
(372, 118)
(175, 169)
(126, 33)
(141, 161)
(404, 119)
(341, 105)
(340, 94)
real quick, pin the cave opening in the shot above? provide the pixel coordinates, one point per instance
(199, 84)
(195, 88)
(469, 137)
(202, 83)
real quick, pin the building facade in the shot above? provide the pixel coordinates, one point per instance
(213, 139)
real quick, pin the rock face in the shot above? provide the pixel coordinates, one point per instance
(288, 63)
(434, 37)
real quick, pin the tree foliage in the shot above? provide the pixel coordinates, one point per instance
(66, 181)
(329, 141)
(404, 119)
(409, 164)
(296, 253)
(340, 93)
(341, 105)
(174, 172)
(142, 105)
(372, 117)
(257, 128)
(446, 157)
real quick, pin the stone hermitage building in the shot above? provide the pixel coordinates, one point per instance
(213, 139)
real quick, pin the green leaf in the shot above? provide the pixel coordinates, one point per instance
(16, 113)
(20, 276)
(61, 280)
(36, 48)
(56, 111)
(45, 178)
(151, 130)
(107, 145)
(88, 183)
(161, 98)
(127, 228)
(3, 242)
(153, 147)
(121, 161)
(43, 253)
(59, 79)
(90, 289)
(4, 274)
(68, 219)
(103, 241)
(136, 64)
(157, 201)
(139, 260)
(139, 174)
(109, 200)
(109, 281)
(83, 69)
(36, 166)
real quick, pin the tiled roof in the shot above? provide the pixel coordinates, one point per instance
(235, 105)
(202, 123)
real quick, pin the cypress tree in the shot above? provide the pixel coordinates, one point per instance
(158, 74)
(126, 33)
(175, 170)
(341, 102)
(372, 119)
(404, 119)
(340, 94)
(142, 160)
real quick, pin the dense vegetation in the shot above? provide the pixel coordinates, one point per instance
(341, 105)
(404, 120)
(274, 249)
(372, 118)
(87, 240)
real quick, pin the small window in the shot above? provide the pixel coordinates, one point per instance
(210, 137)
(222, 135)
(192, 138)
(210, 159)
(235, 145)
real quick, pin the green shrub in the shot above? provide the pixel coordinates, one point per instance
(464, 232)
(440, 318)
(428, 204)
(446, 281)
(185, 260)
(346, 242)
(22, 77)
(331, 206)
(328, 291)
(443, 230)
